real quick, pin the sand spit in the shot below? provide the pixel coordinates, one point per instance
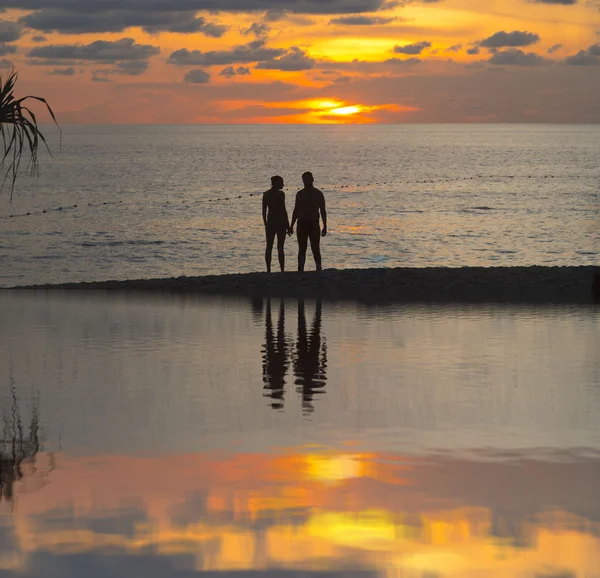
(540, 285)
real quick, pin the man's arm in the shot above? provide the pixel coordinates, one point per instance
(323, 210)
(264, 209)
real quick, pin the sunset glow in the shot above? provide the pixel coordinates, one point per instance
(365, 61)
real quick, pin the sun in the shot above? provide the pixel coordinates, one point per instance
(346, 110)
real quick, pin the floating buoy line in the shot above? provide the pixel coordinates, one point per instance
(67, 208)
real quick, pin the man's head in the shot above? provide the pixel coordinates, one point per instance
(308, 179)
(277, 182)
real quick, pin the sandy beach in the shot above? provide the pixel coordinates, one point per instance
(533, 285)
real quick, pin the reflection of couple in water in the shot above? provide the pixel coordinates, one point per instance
(310, 205)
(308, 357)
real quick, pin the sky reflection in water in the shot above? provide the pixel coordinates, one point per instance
(168, 438)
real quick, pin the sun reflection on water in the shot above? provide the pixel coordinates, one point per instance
(306, 509)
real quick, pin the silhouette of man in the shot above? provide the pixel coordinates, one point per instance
(276, 357)
(275, 219)
(310, 202)
(310, 361)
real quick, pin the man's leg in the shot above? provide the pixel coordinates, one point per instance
(281, 234)
(302, 233)
(315, 244)
(270, 240)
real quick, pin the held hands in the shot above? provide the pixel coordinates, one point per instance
(291, 231)
(324, 232)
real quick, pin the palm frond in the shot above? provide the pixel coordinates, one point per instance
(20, 131)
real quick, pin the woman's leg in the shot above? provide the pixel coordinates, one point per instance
(270, 232)
(281, 235)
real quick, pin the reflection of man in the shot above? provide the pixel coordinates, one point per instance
(275, 357)
(310, 362)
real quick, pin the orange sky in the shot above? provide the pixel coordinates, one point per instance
(317, 61)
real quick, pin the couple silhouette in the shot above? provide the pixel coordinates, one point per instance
(308, 357)
(309, 207)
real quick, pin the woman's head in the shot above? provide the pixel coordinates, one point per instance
(277, 182)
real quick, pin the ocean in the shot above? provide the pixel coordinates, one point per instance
(119, 202)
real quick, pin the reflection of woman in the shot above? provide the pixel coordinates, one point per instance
(275, 357)
(275, 219)
(310, 363)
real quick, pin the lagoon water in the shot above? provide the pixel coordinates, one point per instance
(184, 437)
(140, 202)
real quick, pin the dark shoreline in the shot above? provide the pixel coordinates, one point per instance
(526, 285)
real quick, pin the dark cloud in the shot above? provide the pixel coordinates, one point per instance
(230, 71)
(255, 51)
(509, 39)
(516, 57)
(563, 2)
(118, 20)
(362, 20)
(294, 61)
(415, 48)
(403, 61)
(131, 67)
(96, 77)
(7, 49)
(292, 6)
(9, 31)
(257, 29)
(38, 38)
(98, 51)
(454, 48)
(589, 57)
(554, 48)
(70, 71)
(6, 64)
(197, 76)
(474, 50)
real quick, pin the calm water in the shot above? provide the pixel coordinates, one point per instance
(495, 195)
(172, 437)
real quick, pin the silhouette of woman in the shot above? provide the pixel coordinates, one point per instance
(276, 357)
(275, 219)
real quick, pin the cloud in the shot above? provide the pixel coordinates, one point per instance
(292, 6)
(402, 61)
(9, 31)
(589, 57)
(230, 71)
(38, 38)
(554, 48)
(563, 2)
(131, 67)
(118, 20)
(197, 76)
(415, 48)
(99, 51)
(454, 48)
(255, 51)
(257, 29)
(70, 71)
(509, 39)
(362, 20)
(516, 57)
(294, 61)
(474, 50)
(7, 49)
(96, 77)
